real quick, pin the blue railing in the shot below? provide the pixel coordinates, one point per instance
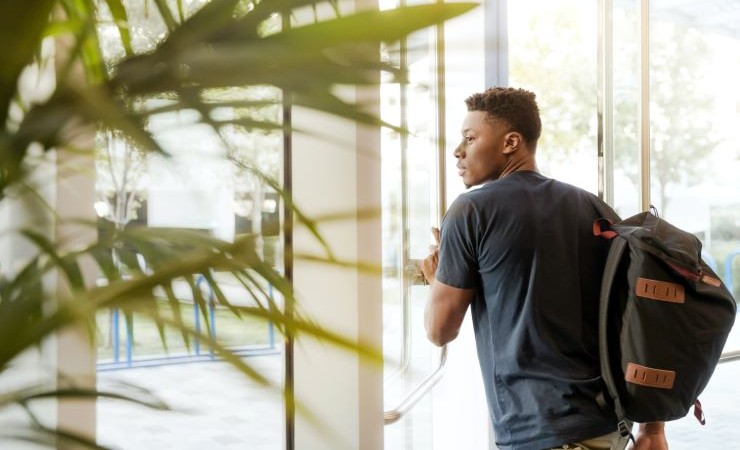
(728, 270)
(196, 354)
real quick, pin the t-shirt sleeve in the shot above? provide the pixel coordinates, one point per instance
(458, 261)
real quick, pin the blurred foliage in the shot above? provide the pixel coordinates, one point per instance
(58, 85)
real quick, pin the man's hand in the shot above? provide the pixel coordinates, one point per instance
(430, 263)
(651, 436)
(446, 306)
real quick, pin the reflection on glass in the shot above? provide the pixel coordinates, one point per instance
(695, 156)
(207, 183)
(695, 142)
(552, 52)
(409, 210)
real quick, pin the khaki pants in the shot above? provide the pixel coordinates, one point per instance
(611, 441)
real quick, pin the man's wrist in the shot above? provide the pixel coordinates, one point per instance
(653, 427)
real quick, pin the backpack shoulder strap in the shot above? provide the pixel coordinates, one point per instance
(616, 251)
(604, 210)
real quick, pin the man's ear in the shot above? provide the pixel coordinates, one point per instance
(512, 142)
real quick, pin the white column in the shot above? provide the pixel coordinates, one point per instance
(73, 351)
(65, 182)
(342, 391)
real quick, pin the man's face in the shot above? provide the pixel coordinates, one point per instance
(480, 155)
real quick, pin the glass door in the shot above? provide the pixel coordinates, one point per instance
(689, 145)
(410, 209)
(208, 185)
(655, 124)
(433, 397)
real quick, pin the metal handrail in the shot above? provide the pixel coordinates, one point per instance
(413, 398)
(406, 347)
(729, 356)
(410, 277)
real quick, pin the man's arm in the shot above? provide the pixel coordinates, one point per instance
(445, 312)
(651, 436)
(446, 306)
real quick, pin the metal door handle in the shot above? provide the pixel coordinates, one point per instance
(425, 386)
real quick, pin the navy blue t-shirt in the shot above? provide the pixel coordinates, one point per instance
(525, 244)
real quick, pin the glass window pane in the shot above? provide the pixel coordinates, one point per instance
(694, 116)
(208, 184)
(409, 210)
(626, 119)
(552, 53)
(695, 162)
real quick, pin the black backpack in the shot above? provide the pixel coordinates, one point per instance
(664, 317)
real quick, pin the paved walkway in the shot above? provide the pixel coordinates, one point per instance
(218, 409)
(720, 403)
(215, 408)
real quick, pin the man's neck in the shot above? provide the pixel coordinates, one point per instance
(519, 165)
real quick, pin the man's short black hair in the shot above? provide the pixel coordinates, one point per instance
(517, 107)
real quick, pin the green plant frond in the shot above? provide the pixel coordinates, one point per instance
(251, 124)
(326, 102)
(28, 331)
(104, 259)
(86, 46)
(180, 11)
(174, 304)
(219, 294)
(242, 61)
(23, 25)
(212, 104)
(298, 214)
(209, 21)
(160, 325)
(265, 9)
(199, 300)
(372, 25)
(228, 356)
(359, 214)
(255, 63)
(62, 27)
(299, 325)
(358, 265)
(26, 188)
(221, 45)
(255, 289)
(81, 393)
(192, 99)
(24, 310)
(186, 263)
(166, 14)
(152, 311)
(264, 270)
(100, 106)
(29, 274)
(120, 16)
(69, 266)
(46, 123)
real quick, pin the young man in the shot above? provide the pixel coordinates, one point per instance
(520, 250)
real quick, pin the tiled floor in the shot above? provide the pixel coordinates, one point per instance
(719, 401)
(216, 408)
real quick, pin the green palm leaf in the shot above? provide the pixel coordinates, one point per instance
(222, 45)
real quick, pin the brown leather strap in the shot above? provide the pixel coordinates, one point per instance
(716, 282)
(647, 376)
(660, 290)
